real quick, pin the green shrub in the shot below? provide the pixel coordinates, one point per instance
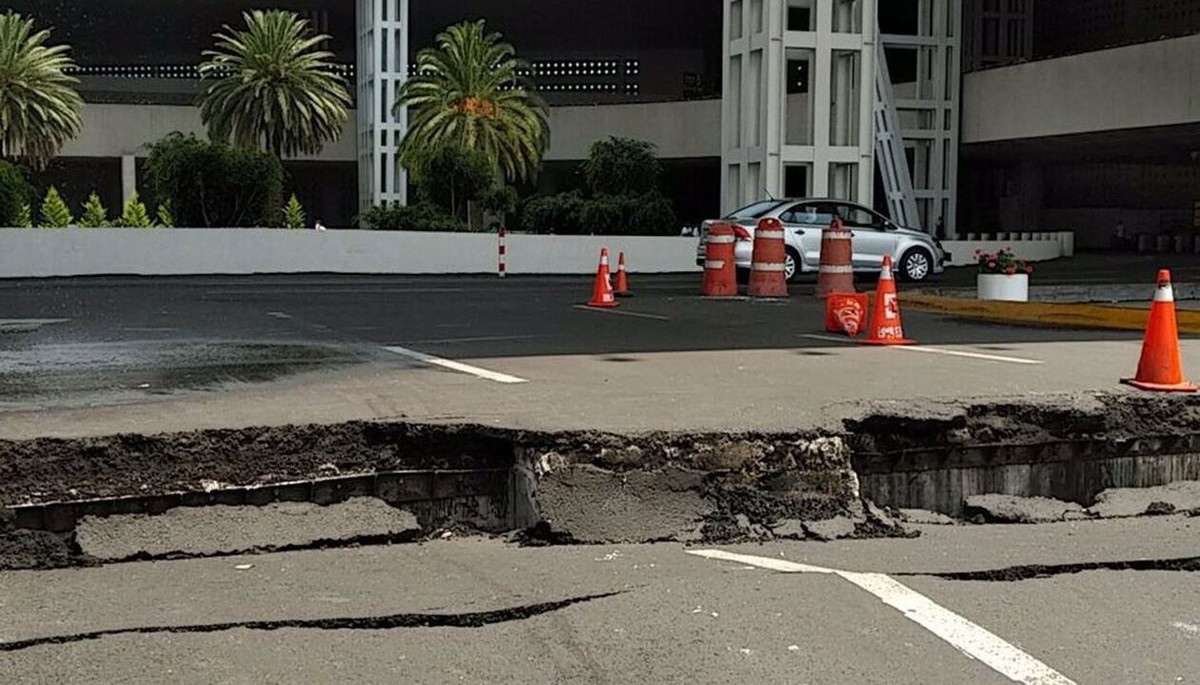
(419, 217)
(15, 193)
(621, 166)
(293, 214)
(165, 218)
(214, 185)
(501, 199)
(135, 215)
(653, 215)
(560, 214)
(55, 213)
(94, 214)
(24, 217)
(450, 176)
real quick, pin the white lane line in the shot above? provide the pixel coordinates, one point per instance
(618, 312)
(279, 315)
(967, 637)
(456, 366)
(937, 350)
(482, 338)
(1189, 629)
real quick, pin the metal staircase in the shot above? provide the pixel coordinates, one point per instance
(889, 148)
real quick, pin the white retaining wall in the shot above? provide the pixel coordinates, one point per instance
(1032, 247)
(41, 252)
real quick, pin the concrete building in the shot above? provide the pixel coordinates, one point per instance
(992, 116)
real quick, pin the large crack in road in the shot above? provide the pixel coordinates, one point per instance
(392, 622)
(1039, 571)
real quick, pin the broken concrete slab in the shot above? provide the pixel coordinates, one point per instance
(1121, 502)
(201, 531)
(836, 528)
(33, 549)
(593, 504)
(1014, 509)
(926, 517)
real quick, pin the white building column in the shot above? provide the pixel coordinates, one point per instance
(128, 177)
(798, 100)
(929, 109)
(382, 68)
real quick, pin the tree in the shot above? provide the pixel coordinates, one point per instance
(468, 92)
(94, 213)
(213, 185)
(39, 108)
(15, 193)
(55, 213)
(293, 214)
(621, 166)
(275, 90)
(450, 176)
(24, 217)
(135, 215)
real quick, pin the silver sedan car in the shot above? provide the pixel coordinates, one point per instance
(917, 255)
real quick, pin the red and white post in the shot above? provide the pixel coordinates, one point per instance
(503, 263)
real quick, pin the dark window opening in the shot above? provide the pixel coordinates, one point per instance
(797, 76)
(795, 181)
(799, 19)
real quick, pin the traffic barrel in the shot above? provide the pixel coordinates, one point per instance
(767, 276)
(1160, 368)
(720, 267)
(836, 273)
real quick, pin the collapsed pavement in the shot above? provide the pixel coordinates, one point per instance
(589, 487)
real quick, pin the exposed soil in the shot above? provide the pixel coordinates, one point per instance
(56, 470)
(1108, 416)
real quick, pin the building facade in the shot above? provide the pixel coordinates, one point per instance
(970, 115)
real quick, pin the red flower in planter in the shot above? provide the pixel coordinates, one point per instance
(1011, 271)
(1029, 270)
(991, 265)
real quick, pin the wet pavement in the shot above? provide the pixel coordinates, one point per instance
(106, 341)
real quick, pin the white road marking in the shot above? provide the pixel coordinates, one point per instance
(26, 325)
(619, 312)
(970, 639)
(482, 338)
(279, 315)
(456, 366)
(1189, 629)
(937, 350)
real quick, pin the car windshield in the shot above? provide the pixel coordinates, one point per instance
(756, 210)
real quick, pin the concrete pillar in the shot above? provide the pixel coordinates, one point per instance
(382, 68)
(128, 178)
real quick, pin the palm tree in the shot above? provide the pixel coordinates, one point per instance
(276, 91)
(39, 108)
(468, 92)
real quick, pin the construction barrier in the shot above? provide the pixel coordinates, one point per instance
(836, 273)
(767, 270)
(720, 269)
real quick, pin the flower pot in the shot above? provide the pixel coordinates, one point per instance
(1014, 288)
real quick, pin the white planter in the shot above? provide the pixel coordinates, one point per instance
(1003, 287)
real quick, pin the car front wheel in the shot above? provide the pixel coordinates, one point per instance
(791, 266)
(916, 265)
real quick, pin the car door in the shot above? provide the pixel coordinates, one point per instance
(871, 239)
(803, 224)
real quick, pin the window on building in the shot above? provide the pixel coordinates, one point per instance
(795, 180)
(797, 76)
(799, 19)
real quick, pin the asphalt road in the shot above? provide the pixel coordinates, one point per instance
(482, 611)
(314, 348)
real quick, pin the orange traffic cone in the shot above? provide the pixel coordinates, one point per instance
(602, 293)
(886, 328)
(1160, 368)
(622, 279)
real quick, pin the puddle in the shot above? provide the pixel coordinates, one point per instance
(112, 373)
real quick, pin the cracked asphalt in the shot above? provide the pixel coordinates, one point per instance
(484, 611)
